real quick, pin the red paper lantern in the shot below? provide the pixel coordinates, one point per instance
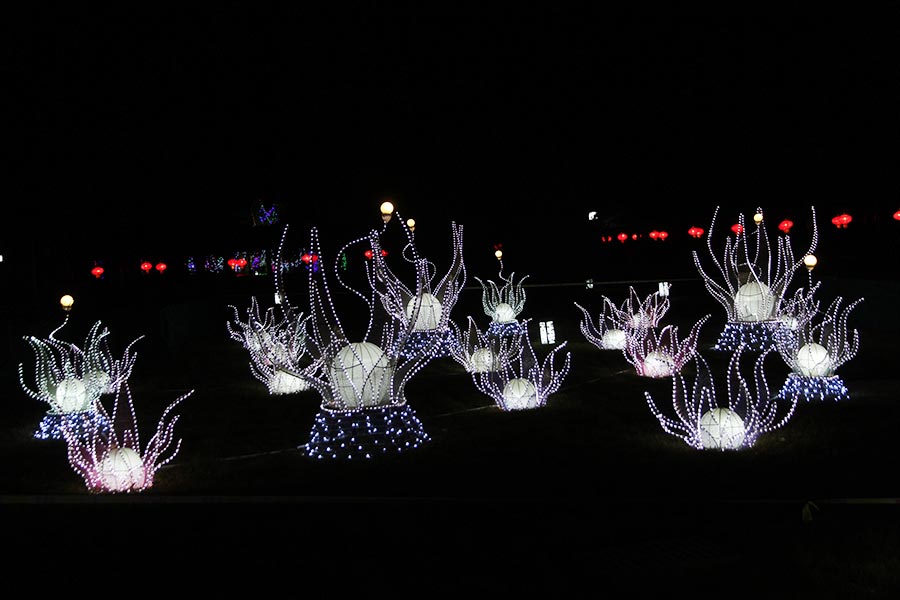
(841, 221)
(654, 235)
(695, 232)
(97, 272)
(242, 262)
(897, 216)
(314, 258)
(369, 254)
(737, 228)
(663, 235)
(785, 226)
(634, 236)
(622, 237)
(306, 258)
(146, 266)
(232, 263)
(161, 267)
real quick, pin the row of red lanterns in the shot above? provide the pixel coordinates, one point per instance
(146, 266)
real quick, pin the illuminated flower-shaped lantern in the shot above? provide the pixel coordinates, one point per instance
(706, 424)
(750, 282)
(659, 354)
(503, 304)
(110, 459)
(272, 340)
(518, 380)
(616, 323)
(481, 352)
(819, 346)
(362, 383)
(71, 380)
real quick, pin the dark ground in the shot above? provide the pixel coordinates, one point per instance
(588, 491)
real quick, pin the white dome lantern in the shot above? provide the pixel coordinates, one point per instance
(504, 313)
(813, 361)
(482, 360)
(361, 374)
(659, 365)
(614, 339)
(519, 394)
(721, 429)
(754, 302)
(71, 395)
(283, 382)
(430, 310)
(121, 470)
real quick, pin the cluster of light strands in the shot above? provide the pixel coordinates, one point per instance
(277, 347)
(355, 376)
(750, 281)
(503, 304)
(518, 380)
(705, 424)
(816, 350)
(616, 323)
(480, 352)
(660, 354)
(111, 460)
(71, 380)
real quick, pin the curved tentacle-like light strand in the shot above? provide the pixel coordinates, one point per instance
(111, 459)
(616, 323)
(661, 354)
(703, 423)
(505, 303)
(480, 352)
(521, 382)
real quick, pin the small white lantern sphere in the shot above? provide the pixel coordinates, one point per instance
(519, 394)
(614, 339)
(754, 302)
(482, 360)
(122, 470)
(361, 373)
(813, 361)
(429, 312)
(71, 395)
(283, 382)
(658, 365)
(504, 313)
(721, 429)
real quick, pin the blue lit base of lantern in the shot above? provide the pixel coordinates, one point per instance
(365, 433)
(814, 388)
(757, 336)
(82, 424)
(435, 343)
(508, 329)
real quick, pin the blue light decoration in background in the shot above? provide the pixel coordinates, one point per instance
(263, 216)
(814, 388)
(191, 265)
(435, 343)
(364, 433)
(501, 330)
(755, 336)
(81, 424)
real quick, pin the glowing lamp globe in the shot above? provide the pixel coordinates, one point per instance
(66, 302)
(658, 365)
(411, 223)
(482, 360)
(813, 361)
(504, 313)
(519, 394)
(721, 429)
(387, 210)
(71, 395)
(897, 216)
(614, 339)
(758, 218)
(146, 267)
(361, 368)
(754, 302)
(498, 254)
(810, 261)
(429, 312)
(283, 382)
(122, 470)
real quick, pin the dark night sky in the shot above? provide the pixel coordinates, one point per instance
(159, 129)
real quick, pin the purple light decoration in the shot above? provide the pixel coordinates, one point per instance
(616, 323)
(479, 352)
(659, 355)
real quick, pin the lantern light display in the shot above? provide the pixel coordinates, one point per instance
(503, 304)
(614, 324)
(785, 226)
(660, 354)
(706, 424)
(481, 352)
(97, 271)
(897, 216)
(696, 232)
(161, 267)
(841, 221)
(622, 237)
(66, 302)
(146, 267)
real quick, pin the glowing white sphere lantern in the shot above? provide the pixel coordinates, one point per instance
(754, 302)
(721, 429)
(658, 365)
(813, 361)
(429, 312)
(121, 470)
(614, 339)
(283, 382)
(482, 360)
(519, 394)
(71, 395)
(504, 313)
(361, 374)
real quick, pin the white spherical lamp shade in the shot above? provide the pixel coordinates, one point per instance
(504, 313)
(658, 365)
(71, 396)
(283, 382)
(721, 429)
(482, 360)
(519, 394)
(429, 312)
(614, 339)
(361, 374)
(813, 361)
(754, 302)
(121, 470)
